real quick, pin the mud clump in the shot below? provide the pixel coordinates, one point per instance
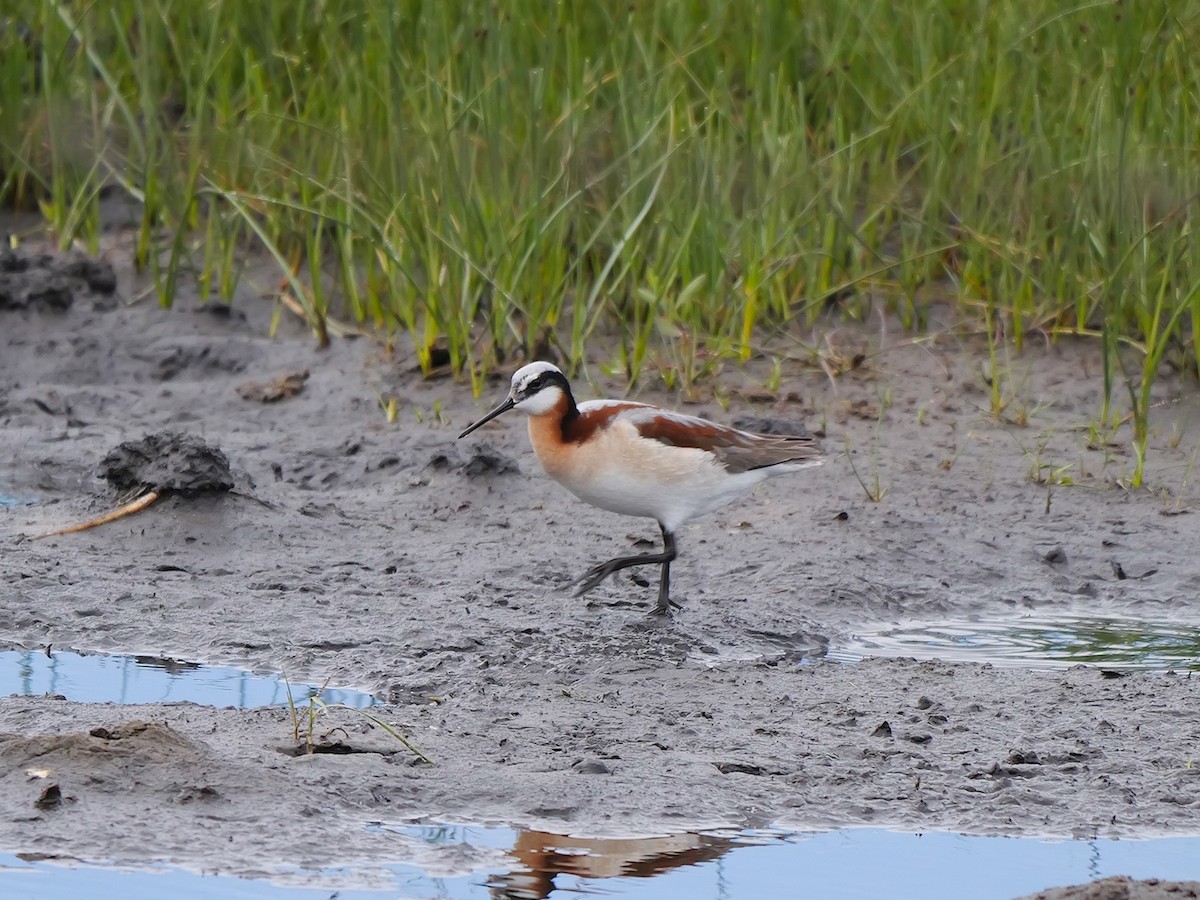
(167, 462)
(77, 751)
(46, 282)
(96, 274)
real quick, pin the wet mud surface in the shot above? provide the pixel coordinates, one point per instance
(1122, 887)
(438, 574)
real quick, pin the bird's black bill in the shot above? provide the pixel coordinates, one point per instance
(502, 408)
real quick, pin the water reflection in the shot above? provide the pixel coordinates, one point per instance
(104, 678)
(757, 865)
(170, 666)
(467, 863)
(542, 857)
(1036, 642)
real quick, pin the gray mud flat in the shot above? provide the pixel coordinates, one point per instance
(437, 574)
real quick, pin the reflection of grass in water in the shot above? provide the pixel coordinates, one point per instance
(1111, 642)
(1108, 641)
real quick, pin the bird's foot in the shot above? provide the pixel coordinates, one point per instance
(664, 606)
(595, 575)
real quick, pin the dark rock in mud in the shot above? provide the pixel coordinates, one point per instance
(167, 461)
(50, 798)
(591, 767)
(484, 460)
(217, 309)
(771, 425)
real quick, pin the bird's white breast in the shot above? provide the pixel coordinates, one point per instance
(619, 470)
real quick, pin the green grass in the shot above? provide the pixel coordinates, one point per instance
(306, 719)
(688, 178)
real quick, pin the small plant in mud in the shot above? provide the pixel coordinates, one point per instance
(305, 719)
(436, 415)
(871, 486)
(1176, 505)
(1008, 389)
(390, 407)
(1047, 473)
(1169, 306)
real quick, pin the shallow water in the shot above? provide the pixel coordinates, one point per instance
(1035, 642)
(859, 863)
(104, 678)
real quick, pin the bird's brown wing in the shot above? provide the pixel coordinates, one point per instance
(739, 451)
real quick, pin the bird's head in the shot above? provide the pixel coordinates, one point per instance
(536, 389)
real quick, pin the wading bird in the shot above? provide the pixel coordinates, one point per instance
(641, 460)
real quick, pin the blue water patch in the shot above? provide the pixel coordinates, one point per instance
(7, 502)
(863, 864)
(104, 678)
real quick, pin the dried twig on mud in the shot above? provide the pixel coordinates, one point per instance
(158, 464)
(128, 509)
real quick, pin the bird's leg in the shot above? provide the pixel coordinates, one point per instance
(663, 608)
(597, 574)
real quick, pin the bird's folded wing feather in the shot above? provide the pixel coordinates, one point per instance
(738, 451)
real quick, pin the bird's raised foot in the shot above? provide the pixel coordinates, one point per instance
(595, 575)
